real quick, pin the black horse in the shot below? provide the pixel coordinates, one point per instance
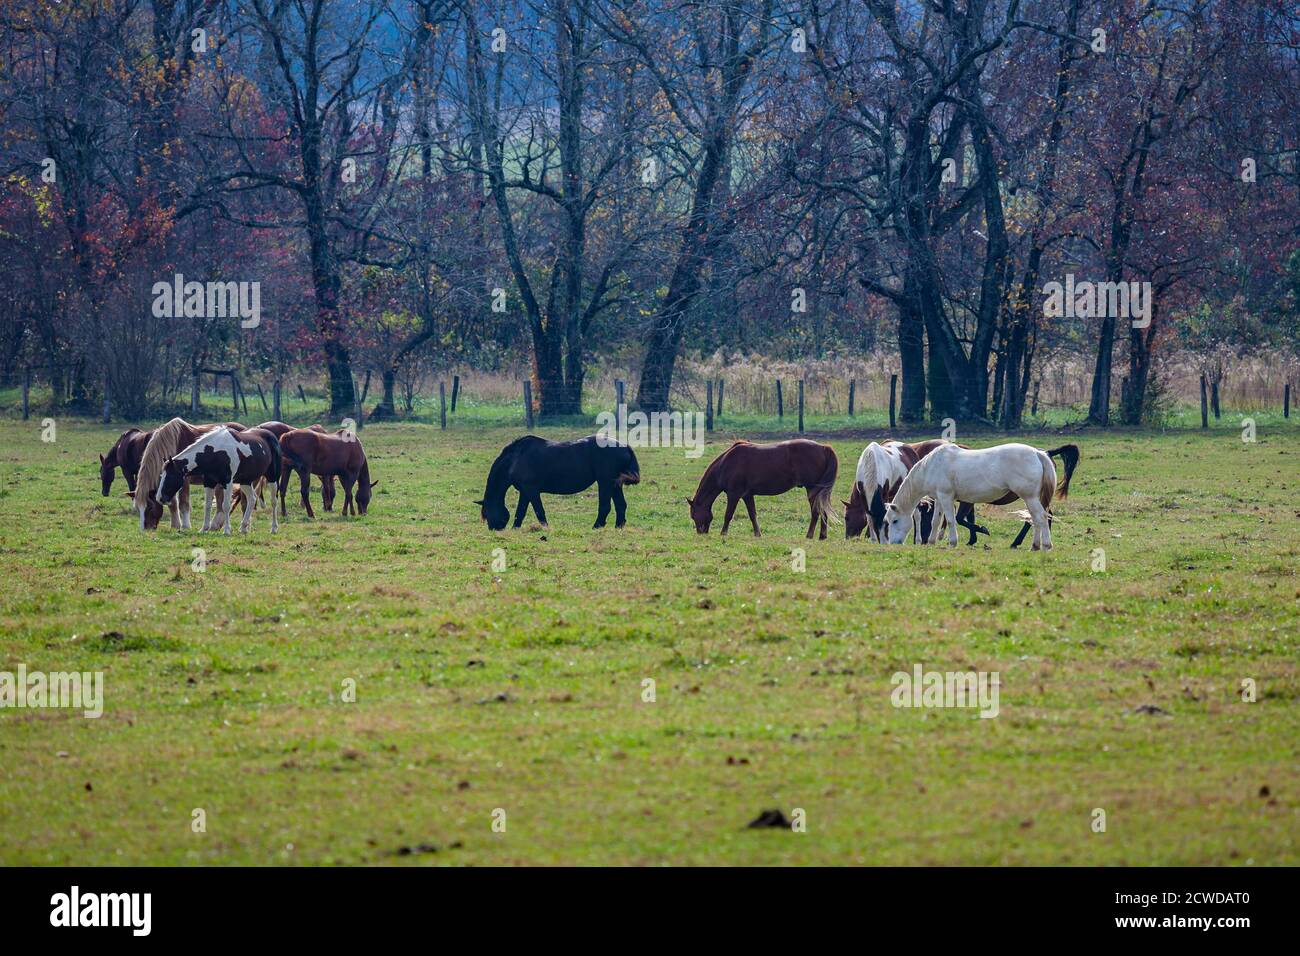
(534, 465)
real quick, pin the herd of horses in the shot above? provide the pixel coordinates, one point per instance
(899, 489)
(227, 458)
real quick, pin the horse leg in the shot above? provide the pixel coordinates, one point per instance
(250, 503)
(327, 492)
(950, 519)
(812, 521)
(602, 510)
(731, 510)
(1024, 530)
(348, 507)
(620, 506)
(304, 486)
(207, 509)
(174, 508)
(538, 509)
(228, 504)
(521, 509)
(185, 506)
(1042, 538)
(753, 515)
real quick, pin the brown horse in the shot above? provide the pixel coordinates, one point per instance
(313, 451)
(279, 430)
(125, 454)
(745, 470)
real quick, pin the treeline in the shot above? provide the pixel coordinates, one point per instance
(391, 185)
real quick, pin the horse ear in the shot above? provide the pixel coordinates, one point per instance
(690, 501)
(845, 503)
(129, 494)
(478, 501)
(373, 483)
(101, 459)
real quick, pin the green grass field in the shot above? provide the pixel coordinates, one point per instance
(521, 690)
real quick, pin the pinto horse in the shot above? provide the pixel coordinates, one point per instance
(125, 454)
(745, 470)
(881, 470)
(313, 451)
(164, 442)
(995, 475)
(536, 466)
(219, 459)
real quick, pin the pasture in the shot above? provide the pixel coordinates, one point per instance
(521, 689)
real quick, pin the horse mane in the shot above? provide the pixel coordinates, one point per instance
(162, 445)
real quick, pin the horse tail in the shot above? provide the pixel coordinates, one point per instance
(1069, 455)
(823, 491)
(1047, 485)
(277, 457)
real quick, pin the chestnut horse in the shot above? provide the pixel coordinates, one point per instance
(745, 470)
(279, 430)
(313, 451)
(125, 454)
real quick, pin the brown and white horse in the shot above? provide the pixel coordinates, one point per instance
(164, 442)
(881, 470)
(219, 459)
(745, 470)
(125, 454)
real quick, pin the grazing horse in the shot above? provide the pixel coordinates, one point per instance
(745, 470)
(950, 473)
(219, 459)
(313, 451)
(536, 466)
(165, 441)
(125, 454)
(881, 470)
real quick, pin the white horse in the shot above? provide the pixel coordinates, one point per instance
(998, 475)
(881, 470)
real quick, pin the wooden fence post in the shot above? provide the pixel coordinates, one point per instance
(528, 404)
(619, 408)
(442, 404)
(27, 392)
(893, 397)
(455, 392)
(1033, 410)
(780, 405)
(801, 406)
(275, 399)
(722, 382)
(853, 384)
(1214, 399)
(195, 384)
(234, 396)
(302, 396)
(708, 406)
(1205, 415)
(262, 396)
(1286, 401)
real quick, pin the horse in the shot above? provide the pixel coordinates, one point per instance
(219, 459)
(164, 442)
(882, 468)
(125, 454)
(997, 475)
(279, 430)
(313, 451)
(745, 470)
(535, 466)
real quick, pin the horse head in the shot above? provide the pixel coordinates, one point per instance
(495, 513)
(172, 479)
(896, 524)
(701, 514)
(106, 473)
(855, 513)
